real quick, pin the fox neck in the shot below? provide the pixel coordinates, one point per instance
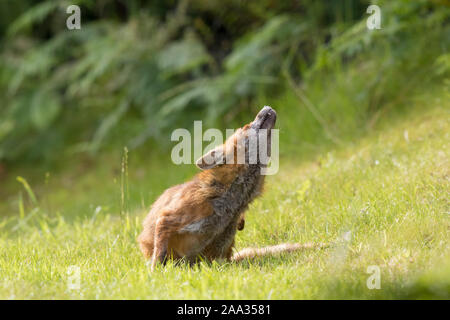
(235, 188)
(224, 176)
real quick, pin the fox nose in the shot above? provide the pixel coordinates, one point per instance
(266, 111)
(265, 118)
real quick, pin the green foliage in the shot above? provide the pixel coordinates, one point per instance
(143, 69)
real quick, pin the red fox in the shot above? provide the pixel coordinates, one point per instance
(200, 218)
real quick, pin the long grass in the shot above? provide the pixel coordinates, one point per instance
(381, 201)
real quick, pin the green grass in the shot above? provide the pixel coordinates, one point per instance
(381, 200)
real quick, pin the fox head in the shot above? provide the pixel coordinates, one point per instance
(249, 145)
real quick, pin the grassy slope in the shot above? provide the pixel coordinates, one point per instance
(382, 201)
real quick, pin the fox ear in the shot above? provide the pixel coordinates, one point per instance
(211, 159)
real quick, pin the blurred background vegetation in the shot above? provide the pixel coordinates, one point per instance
(138, 69)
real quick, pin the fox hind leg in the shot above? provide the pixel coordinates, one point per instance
(145, 240)
(161, 243)
(146, 248)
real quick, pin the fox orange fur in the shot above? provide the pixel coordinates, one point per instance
(200, 217)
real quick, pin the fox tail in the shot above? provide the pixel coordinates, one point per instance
(249, 253)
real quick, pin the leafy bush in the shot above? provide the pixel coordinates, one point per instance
(134, 70)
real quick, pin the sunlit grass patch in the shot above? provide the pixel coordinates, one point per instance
(380, 202)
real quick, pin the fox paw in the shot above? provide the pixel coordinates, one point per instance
(241, 225)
